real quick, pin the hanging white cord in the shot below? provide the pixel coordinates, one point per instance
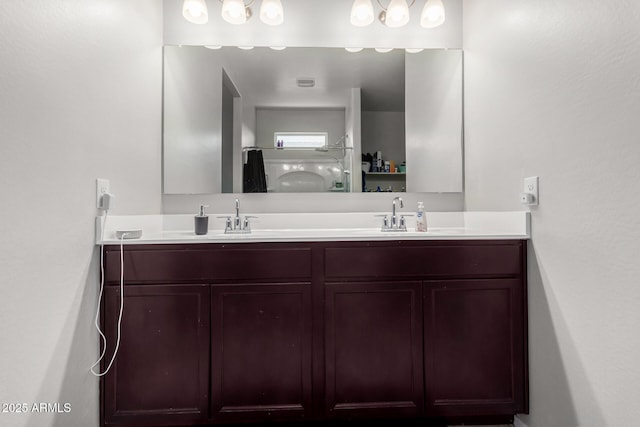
(103, 338)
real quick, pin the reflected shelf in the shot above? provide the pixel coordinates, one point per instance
(321, 150)
(387, 173)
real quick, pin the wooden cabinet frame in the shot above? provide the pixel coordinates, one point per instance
(313, 284)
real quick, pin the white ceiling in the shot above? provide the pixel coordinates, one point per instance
(267, 78)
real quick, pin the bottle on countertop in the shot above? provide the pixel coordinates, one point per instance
(421, 218)
(201, 222)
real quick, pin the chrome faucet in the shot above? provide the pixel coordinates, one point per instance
(237, 221)
(395, 224)
(394, 218)
(237, 225)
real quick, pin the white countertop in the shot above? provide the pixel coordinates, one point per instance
(310, 227)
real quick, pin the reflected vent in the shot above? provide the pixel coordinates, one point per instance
(306, 82)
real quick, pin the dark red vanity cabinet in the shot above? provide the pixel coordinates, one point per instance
(253, 332)
(474, 347)
(373, 349)
(261, 351)
(161, 373)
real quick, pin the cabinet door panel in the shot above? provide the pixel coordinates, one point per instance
(161, 373)
(373, 349)
(261, 351)
(474, 347)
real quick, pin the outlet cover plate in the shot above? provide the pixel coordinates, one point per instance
(531, 187)
(102, 186)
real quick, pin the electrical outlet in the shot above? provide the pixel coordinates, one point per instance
(102, 187)
(531, 187)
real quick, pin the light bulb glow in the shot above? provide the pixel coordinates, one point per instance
(383, 49)
(433, 14)
(278, 47)
(271, 12)
(233, 11)
(353, 49)
(245, 47)
(414, 50)
(195, 11)
(361, 13)
(213, 47)
(397, 14)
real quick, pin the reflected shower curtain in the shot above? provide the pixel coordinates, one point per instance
(254, 180)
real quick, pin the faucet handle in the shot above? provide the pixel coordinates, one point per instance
(246, 225)
(228, 224)
(385, 221)
(403, 223)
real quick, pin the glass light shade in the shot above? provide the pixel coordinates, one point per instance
(397, 14)
(195, 11)
(213, 47)
(353, 49)
(271, 12)
(278, 47)
(233, 11)
(361, 13)
(383, 49)
(414, 50)
(245, 47)
(432, 14)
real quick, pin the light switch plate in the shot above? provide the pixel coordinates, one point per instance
(102, 187)
(531, 187)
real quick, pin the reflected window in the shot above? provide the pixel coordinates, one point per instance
(300, 139)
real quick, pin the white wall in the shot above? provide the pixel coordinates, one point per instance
(192, 125)
(353, 121)
(553, 89)
(272, 120)
(80, 85)
(433, 116)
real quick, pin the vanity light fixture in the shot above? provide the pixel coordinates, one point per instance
(353, 49)
(396, 14)
(361, 13)
(432, 14)
(195, 11)
(237, 12)
(271, 12)
(383, 49)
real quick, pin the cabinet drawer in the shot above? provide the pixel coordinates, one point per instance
(433, 260)
(209, 265)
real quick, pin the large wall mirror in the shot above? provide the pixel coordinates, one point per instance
(311, 120)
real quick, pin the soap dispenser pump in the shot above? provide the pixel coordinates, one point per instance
(201, 222)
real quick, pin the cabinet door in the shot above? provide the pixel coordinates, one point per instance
(474, 347)
(373, 344)
(261, 351)
(161, 372)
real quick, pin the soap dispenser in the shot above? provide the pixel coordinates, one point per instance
(421, 219)
(201, 222)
